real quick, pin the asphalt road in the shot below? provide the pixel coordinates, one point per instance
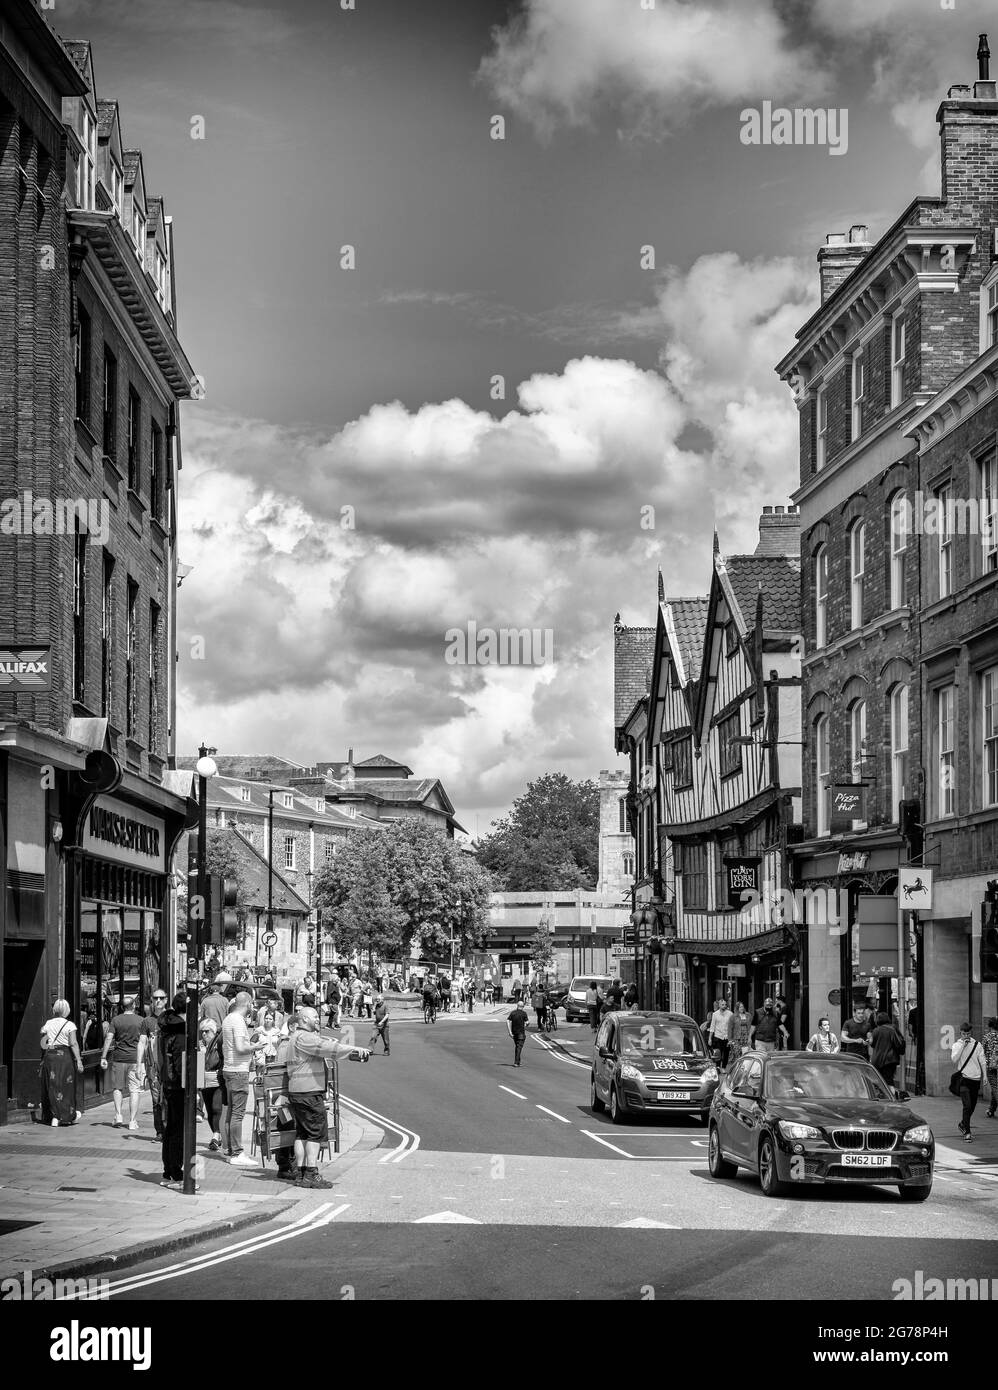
(497, 1182)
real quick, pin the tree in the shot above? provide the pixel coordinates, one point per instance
(549, 840)
(221, 857)
(386, 890)
(541, 949)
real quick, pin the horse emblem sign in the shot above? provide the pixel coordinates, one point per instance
(915, 889)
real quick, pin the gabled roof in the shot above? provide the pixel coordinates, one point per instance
(285, 899)
(107, 113)
(250, 765)
(381, 760)
(778, 577)
(633, 652)
(154, 213)
(689, 617)
(79, 52)
(226, 793)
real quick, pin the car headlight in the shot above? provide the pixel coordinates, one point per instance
(789, 1130)
(630, 1073)
(918, 1134)
(709, 1074)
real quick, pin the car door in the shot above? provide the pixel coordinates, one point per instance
(745, 1110)
(725, 1106)
(602, 1065)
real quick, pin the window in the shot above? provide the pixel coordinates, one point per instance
(289, 801)
(110, 422)
(822, 759)
(898, 346)
(821, 440)
(82, 364)
(131, 674)
(88, 161)
(945, 719)
(79, 612)
(694, 876)
(857, 569)
(667, 757)
(152, 742)
(330, 851)
(138, 231)
(289, 851)
(244, 793)
(726, 849)
(107, 641)
(899, 545)
(156, 472)
(117, 186)
(161, 277)
(683, 762)
(622, 816)
(134, 420)
(989, 711)
(730, 639)
(988, 469)
(730, 752)
(857, 745)
(944, 540)
(219, 816)
(821, 596)
(858, 389)
(627, 864)
(899, 746)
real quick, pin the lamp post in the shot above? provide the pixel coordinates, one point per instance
(196, 934)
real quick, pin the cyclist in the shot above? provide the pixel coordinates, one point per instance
(550, 1013)
(429, 1001)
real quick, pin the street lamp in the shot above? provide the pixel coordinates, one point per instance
(196, 934)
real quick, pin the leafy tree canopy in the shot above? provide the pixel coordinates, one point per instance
(549, 840)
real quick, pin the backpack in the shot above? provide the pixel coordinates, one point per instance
(213, 1055)
(171, 1069)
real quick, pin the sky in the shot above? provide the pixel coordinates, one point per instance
(456, 379)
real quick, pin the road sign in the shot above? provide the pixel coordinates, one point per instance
(269, 939)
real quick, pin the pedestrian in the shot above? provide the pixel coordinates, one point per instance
(61, 1064)
(307, 1055)
(307, 992)
(740, 1031)
(356, 996)
(171, 1037)
(333, 997)
(631, 996)
(270, 1036)
(824, 1040)
(380, 1024)
(886, 1048)
(593, 1004)
(238, 1046)
(990, 1044)
(215, 1004)
(783, 1014)
(856, 1033)
(149, 1056)
(764, 1033)
(516, 1027)
(213, 1091)
(276, 1081)
(539, 1004)
(615, 994)
(968, 1058)
(720, 1030)
(367, 998)
(122, 1045)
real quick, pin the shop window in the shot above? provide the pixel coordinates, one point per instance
(695, 889)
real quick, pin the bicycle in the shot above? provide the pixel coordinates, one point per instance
(550, 1017)
(429, 1011)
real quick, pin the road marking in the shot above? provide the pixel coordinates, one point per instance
(553, 1113)
(645, 1223)
(512, 1092)
(446, 1218)
(556, 1052)
(409, 1138)
(313, 1220)
(639, 1158)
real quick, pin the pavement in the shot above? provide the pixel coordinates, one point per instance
(87, 1197)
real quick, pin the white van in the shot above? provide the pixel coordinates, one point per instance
(575, 1001)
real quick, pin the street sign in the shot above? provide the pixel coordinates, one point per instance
(915, 889)
(618, 949)
(269, 939)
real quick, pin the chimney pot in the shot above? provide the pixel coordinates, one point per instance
(779, 511)
(859, 235)
(766, 510)
(835, 239)
(958, 91)
(983, 57)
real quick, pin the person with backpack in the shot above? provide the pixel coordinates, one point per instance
(213, 1090)
(886, 1048)
(171, 1042)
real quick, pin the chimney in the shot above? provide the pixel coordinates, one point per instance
(968, 132)
(779, 531)
(840, 255)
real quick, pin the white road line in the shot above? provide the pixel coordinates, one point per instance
(560, 1055)
(511, 1092)
(320, 1216)
(639, 1158)
(409, 1138)
(553, 1113)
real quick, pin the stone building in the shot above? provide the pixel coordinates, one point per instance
(91, 377)
(616, 843)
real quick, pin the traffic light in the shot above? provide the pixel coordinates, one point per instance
(989, 934)
(223, 923)
(910, 826)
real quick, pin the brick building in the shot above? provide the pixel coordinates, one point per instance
(898, 320)
(91, 376)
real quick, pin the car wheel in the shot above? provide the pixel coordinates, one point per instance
(618, 1113)
(595, 1104)
(769, 1177)
(915, 1194)
(719, 1166)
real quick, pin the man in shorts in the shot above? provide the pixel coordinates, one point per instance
(126, 1071)
(307, 1054)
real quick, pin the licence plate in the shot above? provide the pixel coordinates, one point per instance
(673, 1095)
(866, 1160)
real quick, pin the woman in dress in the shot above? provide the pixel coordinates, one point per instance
(824, 1040)
(61, 1061)
(213, 1091)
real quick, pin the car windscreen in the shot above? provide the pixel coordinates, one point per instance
(584, 981)
(825, 1080)
(660, 1040)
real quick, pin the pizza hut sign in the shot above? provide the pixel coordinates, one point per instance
(847, 804)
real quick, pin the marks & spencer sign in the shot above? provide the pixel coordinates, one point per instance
(115, 830)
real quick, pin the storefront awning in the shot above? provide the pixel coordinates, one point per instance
(741, 949)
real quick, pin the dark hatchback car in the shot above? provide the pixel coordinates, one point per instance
(651, 1063)
(804, 1117)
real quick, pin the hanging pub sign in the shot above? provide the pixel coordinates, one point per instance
(848, 803)
(744, 876)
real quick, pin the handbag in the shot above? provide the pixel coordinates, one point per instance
(954, 1081)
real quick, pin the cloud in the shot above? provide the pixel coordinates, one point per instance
(560, 63)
